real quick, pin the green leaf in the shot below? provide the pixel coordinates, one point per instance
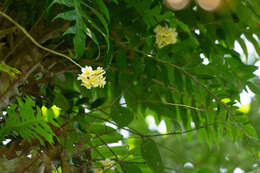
(103, 8)
(68, 15)
(61, 101)
(102, 20)
(254, 87)
(131, 167)
(164, 74)
(107, 138)
(151, 155)
(10, 70)
(98, 102)
(70, 84)
(115, 1)
(67, 3)
(205, 76)
(188, 82)
(81, 101)
(182, 25)
(82, 26)
(195, 116)
(57, 171)
(27, 122)
(122, 116)
(99, 128)
(70, 30)
(79, 41)
(184, 114)
(243, 45)
(121, 60)
(254, 42)
(250, 131)
(89, 33)
(50, 114)
(204, 170)
(178, 79)
(119, 150)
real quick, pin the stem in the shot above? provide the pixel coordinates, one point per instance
(117, 159)
(35, 42)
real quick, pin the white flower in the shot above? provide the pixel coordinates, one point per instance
(107, 162)
(165, 36)
(92, 78)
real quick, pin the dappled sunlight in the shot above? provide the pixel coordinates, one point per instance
(238, 170)
(161, 127)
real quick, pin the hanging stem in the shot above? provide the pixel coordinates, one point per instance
(35, 42)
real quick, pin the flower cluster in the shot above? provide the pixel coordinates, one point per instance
(92, 78)
(106, 164)
(165, 36)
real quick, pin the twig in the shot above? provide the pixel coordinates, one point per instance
(160, 102)
(35, 42)
(180, 133)
(26, 166)
(194, 79)
(133, 131)
(140, 135)
(23, 76)
(125, 157)
(117, 159)
(23, 38)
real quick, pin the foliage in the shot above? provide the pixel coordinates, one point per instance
(191, 83)
(27, 123)
(11, 71)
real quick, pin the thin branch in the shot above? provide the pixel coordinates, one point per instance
(125, 157)
(206, 88)
(187, 74)
(24, 75)
(140, 135)
(117, 105)
(196, 81)
(23, 38)
(25, 167)
(133, 131)
(119, 96)
(152, 101)
(95, 148)
(180, 133)
(35, 42)
(155, 81)
(193, 78)
(160, 102)
(117, 159)
(176, 154)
